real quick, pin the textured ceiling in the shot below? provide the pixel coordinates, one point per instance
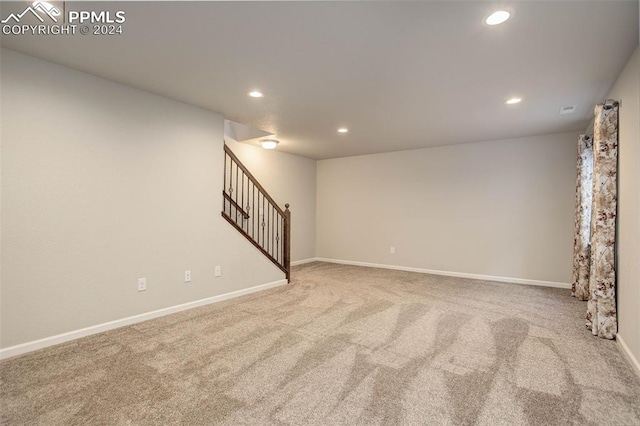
(399, 75)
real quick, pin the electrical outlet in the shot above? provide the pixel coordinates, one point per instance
(142, 284)
(187, 276)
(218, 271)
(392, 250)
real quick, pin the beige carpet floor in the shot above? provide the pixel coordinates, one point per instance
(339, 345)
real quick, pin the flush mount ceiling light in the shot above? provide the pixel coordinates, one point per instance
(513, 101)
(256, 94)
(343, 130)
(269, 143)
(497, 17)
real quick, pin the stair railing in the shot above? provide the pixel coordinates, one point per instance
(249, 208)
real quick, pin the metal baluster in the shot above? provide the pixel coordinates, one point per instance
(248, 204)
(230, 191)
(270, 231)
(241, 203)
(263, 212)
(236, 192)
(278, 239)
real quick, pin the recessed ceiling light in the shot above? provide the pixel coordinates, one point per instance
(513, 101)
(256, 94)
(269, 143)
(497, 17)
(343, 130)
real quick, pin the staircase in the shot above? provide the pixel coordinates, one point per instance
(248, 207)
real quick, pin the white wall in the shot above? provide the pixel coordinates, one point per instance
(501, 208)
(274, 171)
(627, 90)
(102, 184)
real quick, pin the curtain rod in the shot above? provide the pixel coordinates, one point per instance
(610, 103)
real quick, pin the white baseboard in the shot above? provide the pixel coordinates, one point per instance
(450, 274)
(76, 334)
(628, 354)
(303, 261)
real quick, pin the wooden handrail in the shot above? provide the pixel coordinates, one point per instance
(234, 204)
(269, 227)
(252, 178)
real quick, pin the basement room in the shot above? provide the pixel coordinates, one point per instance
(320, 213)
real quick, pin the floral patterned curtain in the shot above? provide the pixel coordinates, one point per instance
(601, 307)
(582, 239)
(594, 257)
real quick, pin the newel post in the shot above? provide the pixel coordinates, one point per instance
(287, 241)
